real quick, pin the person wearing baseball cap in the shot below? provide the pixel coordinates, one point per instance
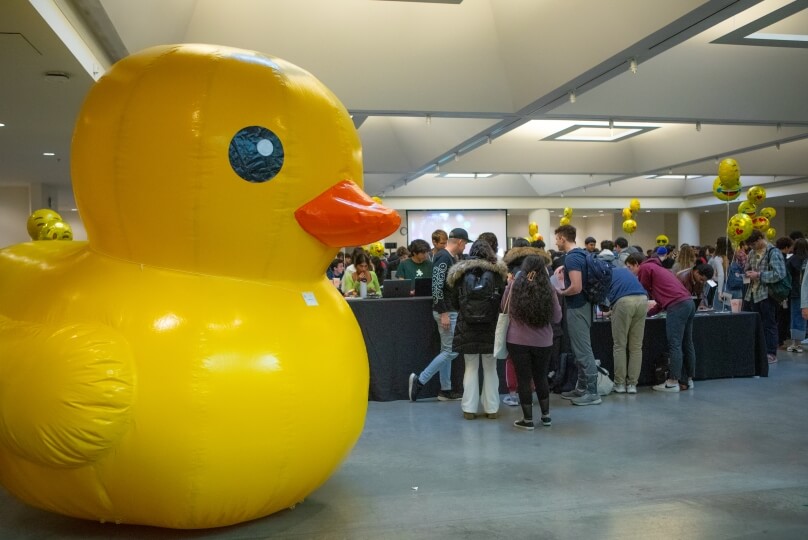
(460, 234)
(446, 317)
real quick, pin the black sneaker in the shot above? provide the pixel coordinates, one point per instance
(546, 421)
(527, 425)
(415, 387)
(449, 395)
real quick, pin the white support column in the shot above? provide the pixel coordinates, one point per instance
(542, 219)
(688, 227)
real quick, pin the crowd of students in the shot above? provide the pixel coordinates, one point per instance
(540, 287)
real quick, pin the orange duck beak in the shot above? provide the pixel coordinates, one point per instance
(344, 215)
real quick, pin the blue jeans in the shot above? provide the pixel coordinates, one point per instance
(442, 363)
(679, 330)
(579, 321)
(797, 322)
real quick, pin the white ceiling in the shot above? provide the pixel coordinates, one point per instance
(471, 87)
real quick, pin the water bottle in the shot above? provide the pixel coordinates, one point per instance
(363, 289)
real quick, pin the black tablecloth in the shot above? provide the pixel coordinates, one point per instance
(727, 345)
(401, 338)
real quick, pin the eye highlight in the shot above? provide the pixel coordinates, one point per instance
(256, 154)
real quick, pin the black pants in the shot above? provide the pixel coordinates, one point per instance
(531, 362)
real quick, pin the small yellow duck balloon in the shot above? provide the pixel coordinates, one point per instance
(153, 374)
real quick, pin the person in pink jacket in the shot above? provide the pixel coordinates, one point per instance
(533, 306)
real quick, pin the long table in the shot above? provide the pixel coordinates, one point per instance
(727, 345)
(401, 338)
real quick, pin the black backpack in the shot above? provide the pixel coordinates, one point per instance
(479, 297)
(598, 279)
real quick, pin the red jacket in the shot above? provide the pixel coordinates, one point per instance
(662, 286)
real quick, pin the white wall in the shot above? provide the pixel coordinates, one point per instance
(14, 212)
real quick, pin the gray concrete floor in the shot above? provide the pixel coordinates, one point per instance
(726, 460)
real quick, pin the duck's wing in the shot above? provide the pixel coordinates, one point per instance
(66, 392)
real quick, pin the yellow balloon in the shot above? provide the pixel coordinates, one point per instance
(756, 195)
(627, 213)
(768, 212)
(726, 193)
(376, 249)
(127, 395)
(40, 218)
(377, 200)
(568, 212)
(760, 223)
(662, 240)
(634, 205)
(56, 230)
(564, 221)
(739, 227)
(747, 208)
(532, 228)
(629, 226)
(771, 233)
(729, 172)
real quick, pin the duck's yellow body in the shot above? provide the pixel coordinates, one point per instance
(190, 366)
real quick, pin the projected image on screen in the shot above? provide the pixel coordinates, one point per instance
(421, 224)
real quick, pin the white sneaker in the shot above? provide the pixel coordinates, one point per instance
(631, 389)
(620, 388)
(690, 384)
(665, 388)
(513, 401)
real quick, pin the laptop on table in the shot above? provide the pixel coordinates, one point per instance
(396, 288)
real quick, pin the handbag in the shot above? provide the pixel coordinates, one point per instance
(501, 331)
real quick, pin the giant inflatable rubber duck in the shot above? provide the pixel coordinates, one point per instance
(189, 366)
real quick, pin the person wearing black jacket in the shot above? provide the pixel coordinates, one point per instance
(445, 317)
(475, 340)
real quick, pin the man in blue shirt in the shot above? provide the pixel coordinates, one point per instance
(579, 317)
(628, 303)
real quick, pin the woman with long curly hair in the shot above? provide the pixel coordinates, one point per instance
(533, 306)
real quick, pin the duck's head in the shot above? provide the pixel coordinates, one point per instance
(223, 161)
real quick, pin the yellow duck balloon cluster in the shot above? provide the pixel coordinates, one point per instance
(566, 217)
(153, 374)
(533, 232)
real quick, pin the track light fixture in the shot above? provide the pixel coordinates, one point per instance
(429, 119)
(698, 126)
(632, 65)
(573, 98)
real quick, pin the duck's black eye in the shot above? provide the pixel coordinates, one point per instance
(256, 154)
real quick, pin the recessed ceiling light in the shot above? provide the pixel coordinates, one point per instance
(466, 175)
(675, 176)
(2, 125)
(792, 200)
(601, 211)
(48, 154)
(647, 211)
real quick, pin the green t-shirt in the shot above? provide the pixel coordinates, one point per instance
(410, 270)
